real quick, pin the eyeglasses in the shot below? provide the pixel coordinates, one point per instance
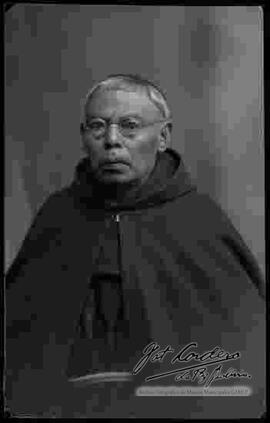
(127, 127)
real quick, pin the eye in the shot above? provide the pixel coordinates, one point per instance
(130, 124)
(96, 125)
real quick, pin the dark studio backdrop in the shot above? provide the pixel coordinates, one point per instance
(208, 60)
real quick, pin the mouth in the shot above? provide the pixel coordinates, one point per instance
(116, 162)
(114, 167)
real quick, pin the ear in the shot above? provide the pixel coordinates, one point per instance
(81, 128)
(83, 141)
(165, 137)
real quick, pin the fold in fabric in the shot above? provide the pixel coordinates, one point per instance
(102, 377)
(103, 331)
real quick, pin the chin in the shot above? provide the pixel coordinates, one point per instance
(114, 178)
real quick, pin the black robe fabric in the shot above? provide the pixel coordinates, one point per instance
(98, 279)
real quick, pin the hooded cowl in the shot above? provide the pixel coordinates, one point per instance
(167, 181)
(100, 277)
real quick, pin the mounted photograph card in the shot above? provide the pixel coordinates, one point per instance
(134, 211)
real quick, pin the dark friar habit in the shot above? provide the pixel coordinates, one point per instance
(97, 279)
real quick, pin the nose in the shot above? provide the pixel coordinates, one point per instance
(113, 136)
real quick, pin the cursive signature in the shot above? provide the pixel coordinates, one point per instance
(206, 378)
(153, 353)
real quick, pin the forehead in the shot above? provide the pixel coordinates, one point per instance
(115, 103)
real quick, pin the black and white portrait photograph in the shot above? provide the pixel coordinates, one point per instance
(134, 211)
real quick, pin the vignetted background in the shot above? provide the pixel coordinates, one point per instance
(207, 59)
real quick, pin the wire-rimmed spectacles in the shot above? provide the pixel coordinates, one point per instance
(128, 127)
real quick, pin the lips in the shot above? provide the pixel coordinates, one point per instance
(115, 161)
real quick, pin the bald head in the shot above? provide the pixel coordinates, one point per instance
(131, 83)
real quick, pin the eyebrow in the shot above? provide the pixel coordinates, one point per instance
(127, 115)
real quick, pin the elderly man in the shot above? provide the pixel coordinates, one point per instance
(129, 273)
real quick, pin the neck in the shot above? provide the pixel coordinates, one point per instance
(115, 191)
(119, 191)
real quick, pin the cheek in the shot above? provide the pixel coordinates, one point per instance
(92, 148)
(145, 148)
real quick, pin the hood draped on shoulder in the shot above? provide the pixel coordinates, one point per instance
(168, 180)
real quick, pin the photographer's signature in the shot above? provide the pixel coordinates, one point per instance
(198, 371)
